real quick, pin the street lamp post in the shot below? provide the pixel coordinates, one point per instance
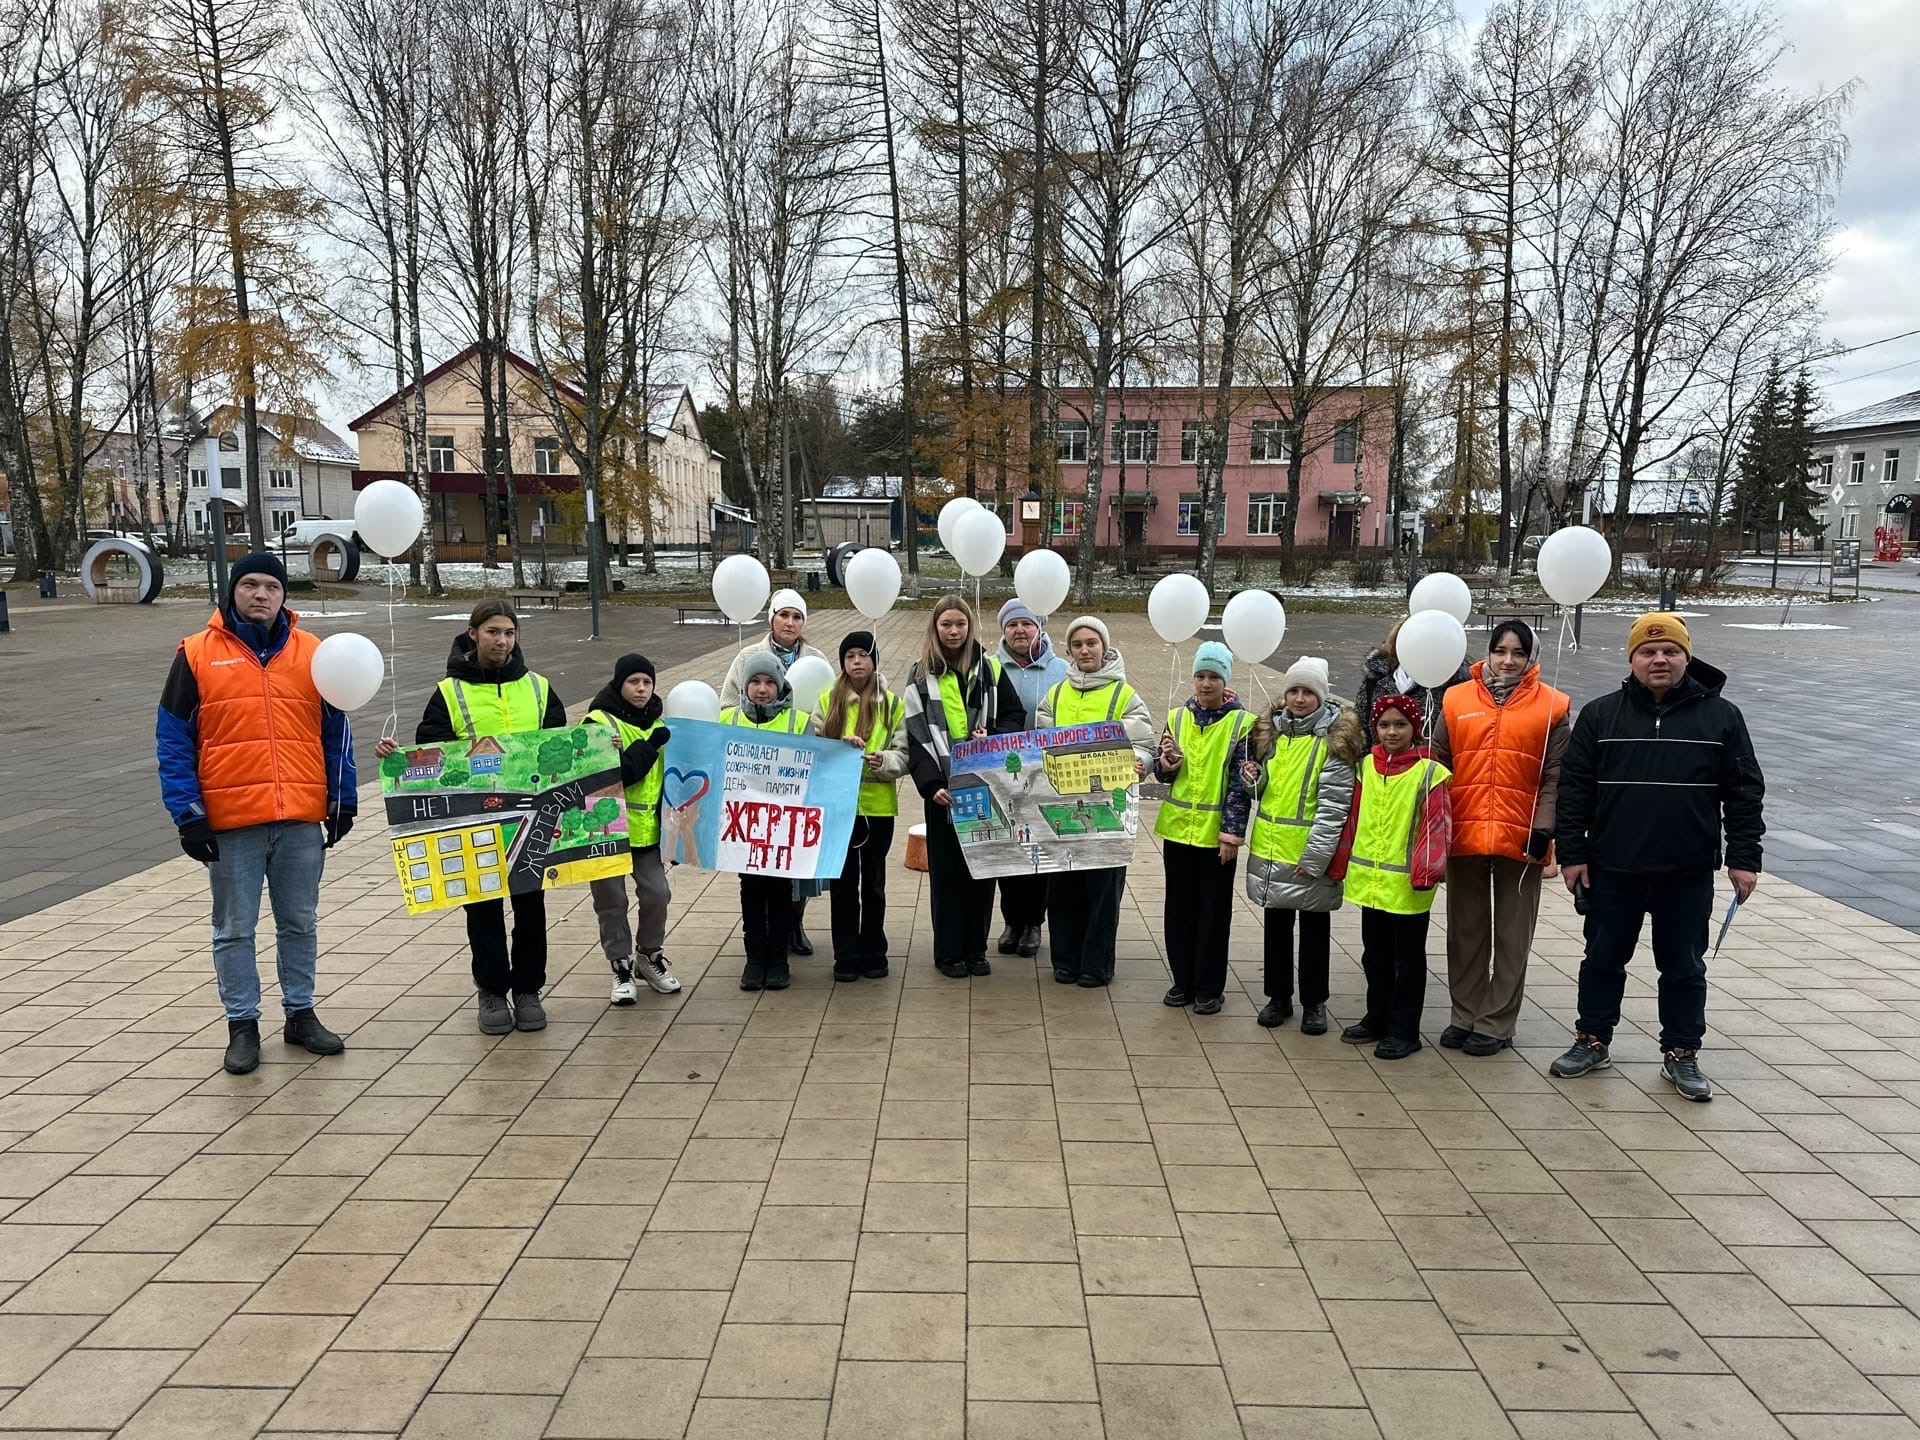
(217, 508)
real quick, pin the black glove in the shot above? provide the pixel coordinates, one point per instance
(660, 737)
(338, 824)
(196, 838)
(1537, 843)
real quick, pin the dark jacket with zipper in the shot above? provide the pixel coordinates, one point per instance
(1650, 787)
(436, 725)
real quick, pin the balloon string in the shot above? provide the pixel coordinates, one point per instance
(389, 730)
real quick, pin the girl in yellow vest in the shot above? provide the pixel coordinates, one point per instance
(955, 691)
(1401, 823)
(1503, 734)
(860, 710)
(1301, 777)
(490, 691)
(1201, 751)
(628, 706)
(766, 901)
(1083, 906)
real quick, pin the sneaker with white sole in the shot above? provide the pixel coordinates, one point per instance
(625, 989)
(658, 974)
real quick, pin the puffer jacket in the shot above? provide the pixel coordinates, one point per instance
(1307, 886)
(1134, 715)
(1033, 676)
(1376, 679)
(735, 683)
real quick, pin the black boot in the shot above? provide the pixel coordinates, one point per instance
(1030, 941)
(1009, 939)
(243, 1046)
(799, 943)
(754, 975)
(305, 1030)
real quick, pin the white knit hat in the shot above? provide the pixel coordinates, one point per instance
(1309, 672)
(1093, 623)
(786, 600)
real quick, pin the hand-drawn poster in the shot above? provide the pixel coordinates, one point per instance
(480, 819)
(1044, 800)
(757, 802)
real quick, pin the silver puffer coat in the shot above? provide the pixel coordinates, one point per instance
(1305, 886)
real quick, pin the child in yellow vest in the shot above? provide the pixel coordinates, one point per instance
(1201, 750)
(860, 710)
(1401, 824)
(766, 901)
(628, 706)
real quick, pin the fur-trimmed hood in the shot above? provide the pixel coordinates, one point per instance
(1338, 721)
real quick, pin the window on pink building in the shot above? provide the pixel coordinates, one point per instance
(1267, 442)
(1070, 441)
(1346, 442)
(1136, 441)
(1066, 516)
(1264, 513)
(1195, 436)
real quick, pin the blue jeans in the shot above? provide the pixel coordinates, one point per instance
(288, 856)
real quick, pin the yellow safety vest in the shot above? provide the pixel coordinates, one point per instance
(789, 721)
(1083, 707)
(954, 705)
(509, 709)
(1284, 820)
(877, 796)
(1380, 872)
(643, 796)
(1190, 815)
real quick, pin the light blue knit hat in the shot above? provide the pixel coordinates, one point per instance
(1214, 656)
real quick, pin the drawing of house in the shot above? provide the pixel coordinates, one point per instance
(1089, 768)
(485, 756)
(424, 764)
(454, 866)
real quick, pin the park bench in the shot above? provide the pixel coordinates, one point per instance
(524, 599)
(1537, 613)
(697, 611)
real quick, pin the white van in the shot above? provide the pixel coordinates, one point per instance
(303, 533)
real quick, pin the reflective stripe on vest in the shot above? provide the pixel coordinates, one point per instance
(1190, 814)
(1380, 870)
(643, 796)
(877, 796)
(1082, 707)
(953, 704)
(788, 722)
(1280, 833)
(509, 709)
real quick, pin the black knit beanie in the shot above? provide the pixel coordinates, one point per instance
(255, 562)
(630, 665)
(860, 640)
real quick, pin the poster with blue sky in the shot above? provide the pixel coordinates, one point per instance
(1042, 800)
(757, 802)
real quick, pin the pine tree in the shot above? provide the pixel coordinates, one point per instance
(1754, 483)
(1795, 446)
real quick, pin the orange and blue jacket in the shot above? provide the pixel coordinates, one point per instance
(242, 736)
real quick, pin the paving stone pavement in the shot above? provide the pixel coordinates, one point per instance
(920, 1207)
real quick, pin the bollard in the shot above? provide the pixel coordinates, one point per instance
(5, 624)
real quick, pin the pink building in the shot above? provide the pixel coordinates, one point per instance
(1154, 434)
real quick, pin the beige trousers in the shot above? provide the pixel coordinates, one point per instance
(1492, 905)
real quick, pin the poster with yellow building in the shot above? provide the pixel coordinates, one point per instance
(1038, 801)
(504, 814)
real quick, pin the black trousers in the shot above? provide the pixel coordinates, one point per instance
(493, 970)
(962, 905)
(1681, 908)
(1023, 901)
(860, 896)
(1199, 917)
(1083, 914)
(1316, 955)
(766, 919)
(1393, 953)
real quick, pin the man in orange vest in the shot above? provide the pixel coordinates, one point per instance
(257, 772)
(1503, 733)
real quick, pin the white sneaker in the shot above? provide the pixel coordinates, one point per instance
(625, 992)
(658, 974)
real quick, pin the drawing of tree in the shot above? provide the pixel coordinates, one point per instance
(1013, 762)
(579, 738)
(395, 765)
(454, 776)
(555, 754)
(605, 812)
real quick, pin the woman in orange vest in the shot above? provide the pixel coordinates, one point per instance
(1503, 734)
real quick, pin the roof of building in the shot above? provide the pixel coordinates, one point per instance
(1656, 497)
(1900, 410)
(861, 487)
(306, 437)
(514, 358)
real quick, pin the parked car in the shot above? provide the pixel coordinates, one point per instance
(303, 533)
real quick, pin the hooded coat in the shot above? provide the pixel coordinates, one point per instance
(1377, 679)
(1033, 676)
(1650, 786)
(436, 725)
(733, 688)
(1307, 886)
(1135, 716)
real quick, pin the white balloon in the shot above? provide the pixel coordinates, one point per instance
(1431, 645)
(692, 700)
(388, 517)
(1253, 624)
(949, 517)
(1441, 591)
(872, 580)
(979, 537)
(1041, 580)
(1178, 607)
(811, 677)
(1574, 563)
(741, 587)
(347, 670)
